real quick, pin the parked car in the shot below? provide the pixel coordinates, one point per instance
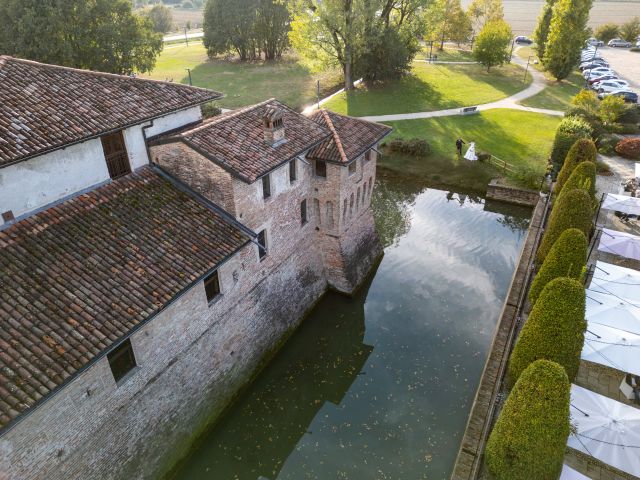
(594, 64)
(618, 42)
(627, 95)
(597, 72)
(590, 56)
(638, 44)
(593, 81)
(522, 40)
(609, 86)
(594, 42)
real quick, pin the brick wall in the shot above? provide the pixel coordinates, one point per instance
(194, 357)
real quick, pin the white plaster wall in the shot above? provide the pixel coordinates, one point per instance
(175, 120)
(42, 180)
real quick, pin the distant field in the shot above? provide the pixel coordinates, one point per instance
(522, 14)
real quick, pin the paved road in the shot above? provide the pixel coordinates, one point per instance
(625, 63)
(180, 36)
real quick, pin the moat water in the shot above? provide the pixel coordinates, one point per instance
(380, 386)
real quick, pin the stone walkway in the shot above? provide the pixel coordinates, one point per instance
(539, 83)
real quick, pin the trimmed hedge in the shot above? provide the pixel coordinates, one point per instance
(629, 148)
(573, 209)
(570, 130)
(584, 150)
(414, 146)
(567, 258)
(583, 177)
(554, 330)
(529, 438)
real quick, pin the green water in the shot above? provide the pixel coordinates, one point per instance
(379, 386)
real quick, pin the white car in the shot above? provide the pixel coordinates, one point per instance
(597, 72)
(609, 86)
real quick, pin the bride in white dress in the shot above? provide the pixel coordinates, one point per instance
(471, 152)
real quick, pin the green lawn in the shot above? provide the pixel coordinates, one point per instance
(245, 83)
(557, 95)
(432, 87)
(523, 139)
(449, 54)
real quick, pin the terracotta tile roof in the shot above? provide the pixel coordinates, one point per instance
(235, 140)
(350, 137)
(79, 276)
(44, 107)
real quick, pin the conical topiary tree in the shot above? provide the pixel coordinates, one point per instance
(584, 178)
(572, 210)
(529, 438)
(554, 330)
(567, 258)
(583, 150)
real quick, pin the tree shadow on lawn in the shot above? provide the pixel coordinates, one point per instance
(506, 79)
(246, 83)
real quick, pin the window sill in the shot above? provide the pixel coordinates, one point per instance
(128, 376)
(215, 300)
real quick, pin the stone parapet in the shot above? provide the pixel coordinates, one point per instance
(505, 193)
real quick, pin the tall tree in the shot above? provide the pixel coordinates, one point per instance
(272, 28)
(445, 20)
(161, 17)
(483, 11)
(492, 45)
(567, 34)
(542, 28)
(630, 30)
(100, 35)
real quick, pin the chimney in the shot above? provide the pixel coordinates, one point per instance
(273, 126)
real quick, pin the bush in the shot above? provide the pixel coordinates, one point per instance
(571, 210)
(629, 128)
(602, 167)
(611, 108)
(634, 49)
(529, 438)
(584, 150)
(584, 178)
(484, 156)
(554, 330)
(629, 148)
(631, 114)
(570, 130)
(210, 109)
(567, 258)
(586, 100)
(414, 146)
(607, 144)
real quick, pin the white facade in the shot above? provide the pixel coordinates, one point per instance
(40, 181)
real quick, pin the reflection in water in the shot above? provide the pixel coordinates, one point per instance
(379, 386)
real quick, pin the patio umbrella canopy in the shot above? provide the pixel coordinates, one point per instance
(608, 310)
(612, 347)
(621, 282)
(620, 243)
(569, 473)
(605, 429)
(622, 203)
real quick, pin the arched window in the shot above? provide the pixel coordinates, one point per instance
(351, 206)
(329, 214)
(358, 198)
(344, 210)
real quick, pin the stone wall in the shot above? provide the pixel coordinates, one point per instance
(592, 468)
(518, 196)
(603, 380)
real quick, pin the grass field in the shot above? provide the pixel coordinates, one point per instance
(432, 87)
(557, 94)
(523, 139)
(244, 83)
(449, 54)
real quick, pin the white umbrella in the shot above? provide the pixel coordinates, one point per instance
(612, 347)
(637, 170)
(620, 243)
(569, 473)
(605, 429)
(605, 309)
(621, 282)
(622, 203)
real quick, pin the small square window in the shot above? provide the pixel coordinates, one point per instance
(368, 155)
(321, 169)
(212, 286)
(293, 174)
(262, 244)
(266, 186)
(121, 360)
(352, 168)
(303, 212)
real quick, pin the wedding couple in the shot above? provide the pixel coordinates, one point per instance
(471, 151)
